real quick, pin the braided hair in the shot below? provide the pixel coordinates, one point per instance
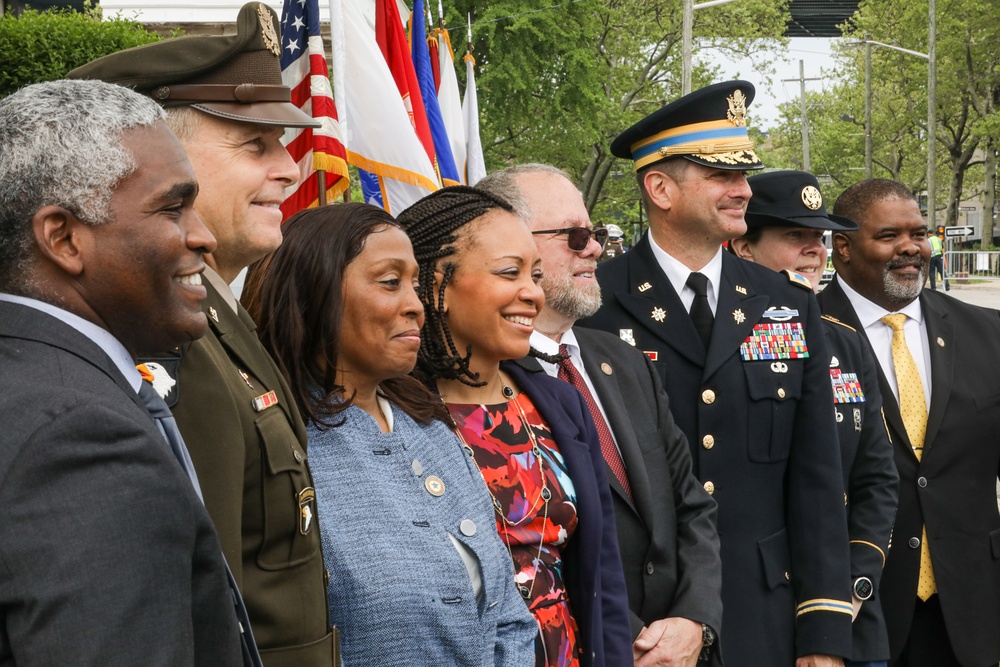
(433, 225)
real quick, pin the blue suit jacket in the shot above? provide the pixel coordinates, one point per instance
(594, 577)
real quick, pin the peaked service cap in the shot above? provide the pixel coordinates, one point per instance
(707, 126)
(235, 77)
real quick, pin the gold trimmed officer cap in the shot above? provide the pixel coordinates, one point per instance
(707, 127)
(235, 77)
(790, 199)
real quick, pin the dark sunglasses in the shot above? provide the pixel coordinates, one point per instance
(578, 237)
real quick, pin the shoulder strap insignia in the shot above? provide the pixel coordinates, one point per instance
(834, 320)
(797, 279)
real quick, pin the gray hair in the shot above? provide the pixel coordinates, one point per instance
(503, 183)
(61, 144)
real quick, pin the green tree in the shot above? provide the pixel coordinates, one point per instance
(558, 84)
(43, 46)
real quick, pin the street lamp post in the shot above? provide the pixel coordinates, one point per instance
(687, 36)
(931, 107)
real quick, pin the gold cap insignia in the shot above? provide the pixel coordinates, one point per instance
(267, 31)
(812, 198)
(737, 113)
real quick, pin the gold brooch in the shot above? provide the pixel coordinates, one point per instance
(811, 198)
(737, 113)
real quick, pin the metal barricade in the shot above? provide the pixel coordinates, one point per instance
(972, 265)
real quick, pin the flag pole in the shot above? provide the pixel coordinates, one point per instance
(321, 182)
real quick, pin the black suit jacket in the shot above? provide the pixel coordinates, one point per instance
(763, 438)
(953, 488)
(107, 556)
(666, 532)
(870, 477)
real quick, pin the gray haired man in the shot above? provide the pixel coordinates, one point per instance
(107, 554)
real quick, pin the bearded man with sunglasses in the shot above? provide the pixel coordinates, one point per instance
(665, 520)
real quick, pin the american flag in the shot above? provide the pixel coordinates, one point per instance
(304, 70)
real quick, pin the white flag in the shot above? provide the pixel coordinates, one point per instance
(475, 165)
(450, 101)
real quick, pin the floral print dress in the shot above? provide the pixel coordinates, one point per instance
(535, 535)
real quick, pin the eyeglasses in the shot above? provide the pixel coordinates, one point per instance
(578, 237)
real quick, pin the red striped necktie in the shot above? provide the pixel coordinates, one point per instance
(569, 373)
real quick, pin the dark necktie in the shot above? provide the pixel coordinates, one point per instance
(167, 425)
(569, 373)
(701, 312)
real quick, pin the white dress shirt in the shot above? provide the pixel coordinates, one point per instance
(102, 338)
(678, 274)
(543, 343)
(880, 335)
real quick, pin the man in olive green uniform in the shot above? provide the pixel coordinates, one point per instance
(227, 104)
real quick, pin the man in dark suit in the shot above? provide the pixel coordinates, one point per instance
(741, 353)
(665, 520)
(786, 220)
(227, 104)
(941, 586)
(107, 555)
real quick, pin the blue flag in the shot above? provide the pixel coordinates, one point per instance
(425, 75)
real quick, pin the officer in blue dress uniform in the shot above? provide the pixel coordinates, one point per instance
(741, 353)
(786, 220)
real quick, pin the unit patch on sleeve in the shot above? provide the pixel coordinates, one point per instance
(775, 340)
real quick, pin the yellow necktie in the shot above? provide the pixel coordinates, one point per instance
(913, 410)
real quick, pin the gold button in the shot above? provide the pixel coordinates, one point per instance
(708, 441)
(710, 488)
(708, 397)
(781, 392)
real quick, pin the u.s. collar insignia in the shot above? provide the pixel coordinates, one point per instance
(627, 336)
(737, 112)
(307, 509)
(213, 314)
(812, 198)
(659, 314)
(645, 286)
(742, 290)
(739, 316)
(267, 31)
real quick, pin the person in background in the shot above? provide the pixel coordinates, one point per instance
(741, 353)
(614, 246)
(531, 436)
(785, 224)
(940, 589)
(225, 101)
(665, 519)
(938, 262)
(107, 555)
(419, 573)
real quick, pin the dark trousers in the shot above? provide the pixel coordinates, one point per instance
(937, 266)
(928, 644)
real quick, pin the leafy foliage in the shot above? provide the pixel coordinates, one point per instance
(43, 46)
(557, 83)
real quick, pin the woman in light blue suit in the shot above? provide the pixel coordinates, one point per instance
(418, 574)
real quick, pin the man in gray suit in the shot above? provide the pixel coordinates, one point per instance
(665, 519)
(107, 555)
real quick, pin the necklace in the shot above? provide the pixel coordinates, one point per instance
(544, 495)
